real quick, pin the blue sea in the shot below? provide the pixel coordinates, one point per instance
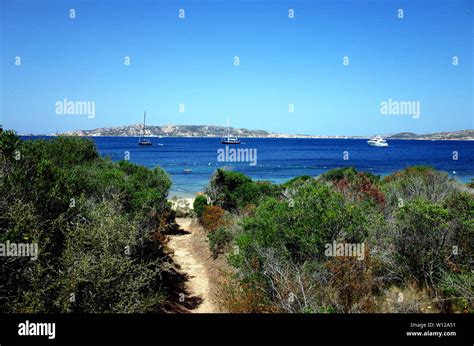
(279, 160)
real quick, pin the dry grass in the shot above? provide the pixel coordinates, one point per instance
(409, 299)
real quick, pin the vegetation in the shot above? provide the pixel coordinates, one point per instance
(218, 239)
(200, 202)
(416, 228)
(212, 217)
(99, 227)
(233, 190)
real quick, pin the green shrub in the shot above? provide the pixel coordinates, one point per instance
(318, 216)
(338, 174)
(417, 182)
(296, 182)
(218, 240)
(233, 190)
(282, 248)
(104, 265)
(82, 211)
(460, 207)
(223, 186)
(200, 202)
(458, 291)
(423, 239)
(280, 240)
(9, 143)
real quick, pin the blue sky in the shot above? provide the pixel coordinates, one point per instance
(282, 61)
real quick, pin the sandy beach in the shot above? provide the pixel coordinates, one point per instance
(184, 204)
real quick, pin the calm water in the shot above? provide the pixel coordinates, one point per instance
(281, 159)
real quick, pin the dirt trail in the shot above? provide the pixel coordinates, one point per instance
(190, 254)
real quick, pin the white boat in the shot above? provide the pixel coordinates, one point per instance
(143, 140)
(377, 141)
(227, 138)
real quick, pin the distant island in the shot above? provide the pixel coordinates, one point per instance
(179, 131)
(217, 131)
(453, 135)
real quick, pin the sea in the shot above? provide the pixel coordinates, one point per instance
(190, 162)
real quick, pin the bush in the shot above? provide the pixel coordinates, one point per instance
(200, 202)
(460, 207)
(223, 186)
(417, 182)
(212, 217)
(238, 296)
(356, 186)
(280, 241)
(233, 190)
(297, 182)
(82, 211)
(218, 239)
(337, 174)
(423, 239)
(105, 266)
(361, 188)
(353, 285)
(282, 249)
(9, 143)
(317, 216)
(458, 291)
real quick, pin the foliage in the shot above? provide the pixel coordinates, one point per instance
(318, 216)
(356, 186)
(425, 239)
(281, 236)
(337, 174)
(242, 296)
(212, 217)
(200, 202)
(233, 190)
(218, 239)
(296, 182)
(458, 291)
(417, 182)
(82, 211)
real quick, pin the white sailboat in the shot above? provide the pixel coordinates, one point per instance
(143, 140)
(227, 138)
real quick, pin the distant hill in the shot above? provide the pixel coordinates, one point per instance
(177, 131)
(453, 135)
(403, 135)
(217, 131)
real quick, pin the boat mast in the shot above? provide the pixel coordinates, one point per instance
(143, 128)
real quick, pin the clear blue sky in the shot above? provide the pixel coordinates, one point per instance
(282, 61)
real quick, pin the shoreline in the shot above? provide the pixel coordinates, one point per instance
(463, 139)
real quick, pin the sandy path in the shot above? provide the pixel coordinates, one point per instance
(198, 284)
